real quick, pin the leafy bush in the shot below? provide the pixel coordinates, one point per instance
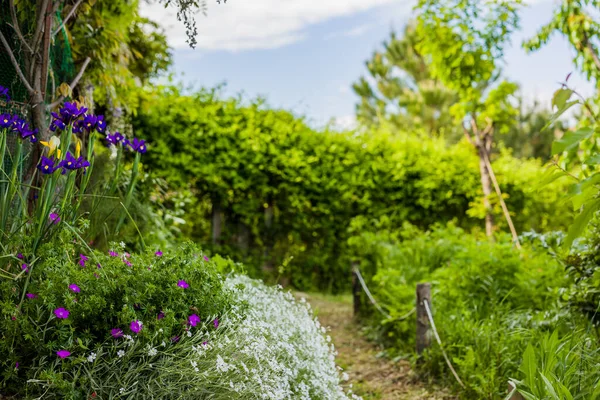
(489, 300)
(101, 293)
(251, 164)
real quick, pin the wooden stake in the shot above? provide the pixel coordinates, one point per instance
(423, 337)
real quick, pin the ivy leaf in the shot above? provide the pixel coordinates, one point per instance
(571, 139)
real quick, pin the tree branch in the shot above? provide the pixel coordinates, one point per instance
(39, 26)
(73, 83)
(468, 135)
(15, 64)
(591, 49)
(69, 15)
(17, 29)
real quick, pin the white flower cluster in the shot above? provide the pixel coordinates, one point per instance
(273, 349)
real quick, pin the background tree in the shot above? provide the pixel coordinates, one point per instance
(401, 91)
(464, 40)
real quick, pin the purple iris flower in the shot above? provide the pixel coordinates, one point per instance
(193, 320)
(82, 259)
(46, 166)
(4, 92)
(69, 113)
(57, 124)
(71, 163)
(7, 120)
(100, 124)
(22, 127)
(135, 326)
(74, 288)
(31, 134)
(63, 353)
(61, 313)
(138, 145)
(54, 218)
(116, 333)
(89, 123)
(114, 138)
(183, 284)
(31, 295)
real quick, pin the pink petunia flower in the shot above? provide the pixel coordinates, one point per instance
(183, 284)
(63, 353)
(135, 326)
(116, 333)
(54, 218)
(61, 313)
(193, 320)
(74, 288)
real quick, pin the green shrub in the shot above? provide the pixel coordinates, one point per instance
(240, 159)
(111, 292)
(489, 300)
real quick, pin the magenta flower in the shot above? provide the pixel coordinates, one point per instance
(175, 339)
(204, 343)
(206, 258)
(98, 265)
(20, 256)
(54, 218)
(216, 323)
(135, 326)
(96, 275)
(128, 263)
(61, 313)
(183, 284)
(31, 295)
(17, 365)
(158, 253)
(74, 288)
(193, 320)
(63, 353)
(160, 315)
(126, 255)
(82, 260)
(116, 333)
(25, 268)
(113, 254)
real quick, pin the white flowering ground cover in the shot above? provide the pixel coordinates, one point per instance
(268, 346)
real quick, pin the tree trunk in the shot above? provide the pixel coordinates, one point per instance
(217, 224)
(267, 262)
(486, 185)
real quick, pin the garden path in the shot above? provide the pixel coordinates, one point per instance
(371, 375)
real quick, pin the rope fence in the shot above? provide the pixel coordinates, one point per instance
(425, 319)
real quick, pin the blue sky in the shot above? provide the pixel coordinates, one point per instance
(303, 55)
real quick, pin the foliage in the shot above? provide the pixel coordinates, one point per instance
(243, 159)
(560, 368)
(489, 300)
(577, 21)
(404, 93)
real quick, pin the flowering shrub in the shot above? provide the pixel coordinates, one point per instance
(79, 302)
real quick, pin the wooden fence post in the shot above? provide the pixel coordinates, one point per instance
(355, 290)
(516, 395)
(423, 336)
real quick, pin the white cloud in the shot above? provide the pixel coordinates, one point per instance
(354, 32)
(257, 24)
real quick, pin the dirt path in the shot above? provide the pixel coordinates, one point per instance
(372, 376)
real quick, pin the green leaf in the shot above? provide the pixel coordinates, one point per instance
(595, 159)
(581, 221)
(528, 366)
(560, 112)
(560, 97)
(550, 388)
(571, 139)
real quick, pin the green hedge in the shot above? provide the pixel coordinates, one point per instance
(244, 158)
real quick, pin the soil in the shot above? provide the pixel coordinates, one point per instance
(371, 374)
